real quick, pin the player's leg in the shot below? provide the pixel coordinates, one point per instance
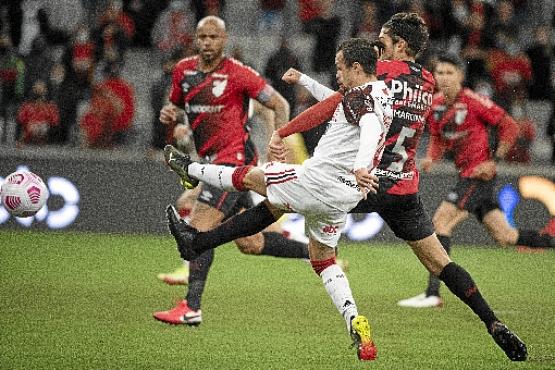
(212, 206)
(433, 256)
(227, 178)
(184, 205)
(504, 234)
(324, 233)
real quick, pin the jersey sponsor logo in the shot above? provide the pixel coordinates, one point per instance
(394, 174)
(330, 230)
(202, 108)
(218, 87)
(349, 183)
(414, 96)
(206, 196)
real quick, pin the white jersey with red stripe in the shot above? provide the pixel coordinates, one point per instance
(324, 187)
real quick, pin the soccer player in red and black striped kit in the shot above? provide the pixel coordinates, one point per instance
(397, 200)
(214, 92)
(459, 122)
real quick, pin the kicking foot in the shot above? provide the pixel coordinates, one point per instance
(179, 163)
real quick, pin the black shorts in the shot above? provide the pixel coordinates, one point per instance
(227, 202)
(404, 214)
(474, 196)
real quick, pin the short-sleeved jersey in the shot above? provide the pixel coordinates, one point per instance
(216, 105)
(412, 88)
(329, 172)
(463, 126)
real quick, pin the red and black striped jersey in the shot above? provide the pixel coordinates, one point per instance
(412, 88)
(463, 127)
(216, 105)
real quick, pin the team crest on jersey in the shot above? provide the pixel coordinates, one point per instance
(185, 87)
(218, 87)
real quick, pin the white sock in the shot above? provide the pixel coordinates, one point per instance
(213, 174)
(337, 286)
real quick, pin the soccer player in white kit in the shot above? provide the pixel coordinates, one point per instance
(325, 187)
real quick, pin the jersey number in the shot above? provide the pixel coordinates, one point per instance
(400, 149)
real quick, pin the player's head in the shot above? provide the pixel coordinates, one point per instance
(449, 73)
(355, 61)
(404, 36)
(211, 38)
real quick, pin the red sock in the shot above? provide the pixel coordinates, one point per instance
(238, 176)
(319, 266)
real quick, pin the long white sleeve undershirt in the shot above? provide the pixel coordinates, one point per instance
(318, 91)
(370, 132)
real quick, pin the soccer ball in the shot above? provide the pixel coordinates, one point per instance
(23, 193)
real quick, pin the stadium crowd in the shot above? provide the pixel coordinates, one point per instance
(67, 77)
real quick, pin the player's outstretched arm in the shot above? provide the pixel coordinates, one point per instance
(316, 89)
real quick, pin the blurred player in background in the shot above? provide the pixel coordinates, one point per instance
(404, 35)
(213, 92)
(325, 187)
(459, 122)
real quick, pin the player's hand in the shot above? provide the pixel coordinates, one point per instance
(292, 76)
(168, 114)
(368, 183)
(427, 164)
(485, 171)
(277, 150)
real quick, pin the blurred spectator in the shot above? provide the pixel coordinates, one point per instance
(12, 83)
(202, 8)
(80, 54)
(11, 19)
(144, 14)
(162, 134)
(278, 63)
(174, 28)
(325, 29)
(270, 20)
(502, 20)
(97, 124)
(510, 68)
(52, 34)
(369, 25)
(37, 116)
(520, 151)
(30, 28)
(122, 91)
(67, 94)
(541, 58)
(114, 33)
(37, 63)
(474, 41)
(308, 11)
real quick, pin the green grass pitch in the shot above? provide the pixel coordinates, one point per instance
(84, 301)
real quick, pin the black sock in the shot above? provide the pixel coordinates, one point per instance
(433, 281)
(247, 223)
(198, 273)
(532, 238)
(277, 245)
(460, 283)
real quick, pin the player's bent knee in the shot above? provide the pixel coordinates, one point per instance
(249, 245)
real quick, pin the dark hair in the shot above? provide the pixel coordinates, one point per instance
(361, 51)
(411, 28)
(451, 59)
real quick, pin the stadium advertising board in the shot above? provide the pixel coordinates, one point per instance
(118, 193)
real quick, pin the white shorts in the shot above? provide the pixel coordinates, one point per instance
(287, 190)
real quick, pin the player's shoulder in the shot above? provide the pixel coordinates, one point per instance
(187, 63)
(237, 65)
